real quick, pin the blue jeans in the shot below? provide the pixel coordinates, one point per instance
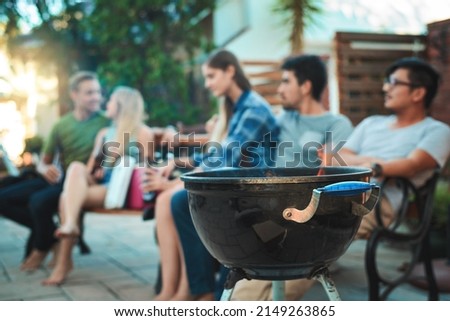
(200, 265)
(33, 203)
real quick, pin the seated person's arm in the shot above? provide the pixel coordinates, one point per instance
(45, 167)
(48, 170)
(147, 140)
(347, 157)
(416, 162)
(172, 138)
(93, 168)
(158, 178)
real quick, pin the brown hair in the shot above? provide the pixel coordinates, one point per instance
(222, 59)
(79, 77)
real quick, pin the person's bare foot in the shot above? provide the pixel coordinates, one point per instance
(52, 263)
(163, 297)
(67, 231)
(59, 274)
(33, 261)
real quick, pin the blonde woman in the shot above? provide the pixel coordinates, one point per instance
(86, 185)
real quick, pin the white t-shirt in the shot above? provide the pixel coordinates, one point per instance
(375, 137)
(301, 136)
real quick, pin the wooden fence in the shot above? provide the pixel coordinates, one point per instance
(265, 77)
(362, 59)
(438, 54)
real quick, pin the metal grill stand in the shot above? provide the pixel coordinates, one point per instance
(323, 276)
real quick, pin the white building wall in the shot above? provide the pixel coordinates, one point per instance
(264, 37)
(251, 30)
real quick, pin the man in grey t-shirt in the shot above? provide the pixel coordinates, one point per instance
(408, 143)
(303, 134)
(305, 126)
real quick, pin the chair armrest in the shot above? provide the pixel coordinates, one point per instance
(420, 198)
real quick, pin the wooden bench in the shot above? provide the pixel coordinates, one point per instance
(190, 136)
(118, 211)
(84, 248)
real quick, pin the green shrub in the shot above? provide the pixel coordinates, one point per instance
(441, 205)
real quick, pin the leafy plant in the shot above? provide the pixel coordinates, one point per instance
(298, 14)
(441, 205)
(55, 41)
(149, 45)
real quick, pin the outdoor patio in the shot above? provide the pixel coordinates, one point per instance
(124, 260)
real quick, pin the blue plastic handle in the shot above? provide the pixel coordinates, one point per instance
(351, 188)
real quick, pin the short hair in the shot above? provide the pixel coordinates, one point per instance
(308, 67)
(420, 74)
(79, 77)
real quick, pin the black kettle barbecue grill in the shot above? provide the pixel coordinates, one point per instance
(279, 223)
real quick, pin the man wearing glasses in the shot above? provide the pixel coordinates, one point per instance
(407, 143)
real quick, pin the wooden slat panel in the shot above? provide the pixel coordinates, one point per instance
(265, 63)
(362, 101)
(361, 71)
(273, 100)
(343, 37)
(439, 56)
(362, 84)
(361, 89)
(272, 75)
(265, 76)
(266, 89)
(389, 55)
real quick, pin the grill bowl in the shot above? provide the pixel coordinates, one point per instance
(238, 214)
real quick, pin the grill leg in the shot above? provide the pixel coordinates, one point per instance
(278, 291)
(226, 294)
(328, 285)
(234, 275)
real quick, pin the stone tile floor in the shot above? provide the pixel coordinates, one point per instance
(124, 262)
(122, 266)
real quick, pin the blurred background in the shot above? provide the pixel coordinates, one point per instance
(158, 46)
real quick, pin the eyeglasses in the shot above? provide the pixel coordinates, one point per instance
(395, 82)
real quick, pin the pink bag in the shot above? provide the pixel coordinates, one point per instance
(134, 196)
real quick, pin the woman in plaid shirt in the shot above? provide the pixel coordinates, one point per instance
(242, 137)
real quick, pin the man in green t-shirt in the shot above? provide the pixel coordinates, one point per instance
(33, 203)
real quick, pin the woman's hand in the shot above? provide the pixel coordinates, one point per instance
(152, 179)
(167, 169)
(169, 136)
(98, 174)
